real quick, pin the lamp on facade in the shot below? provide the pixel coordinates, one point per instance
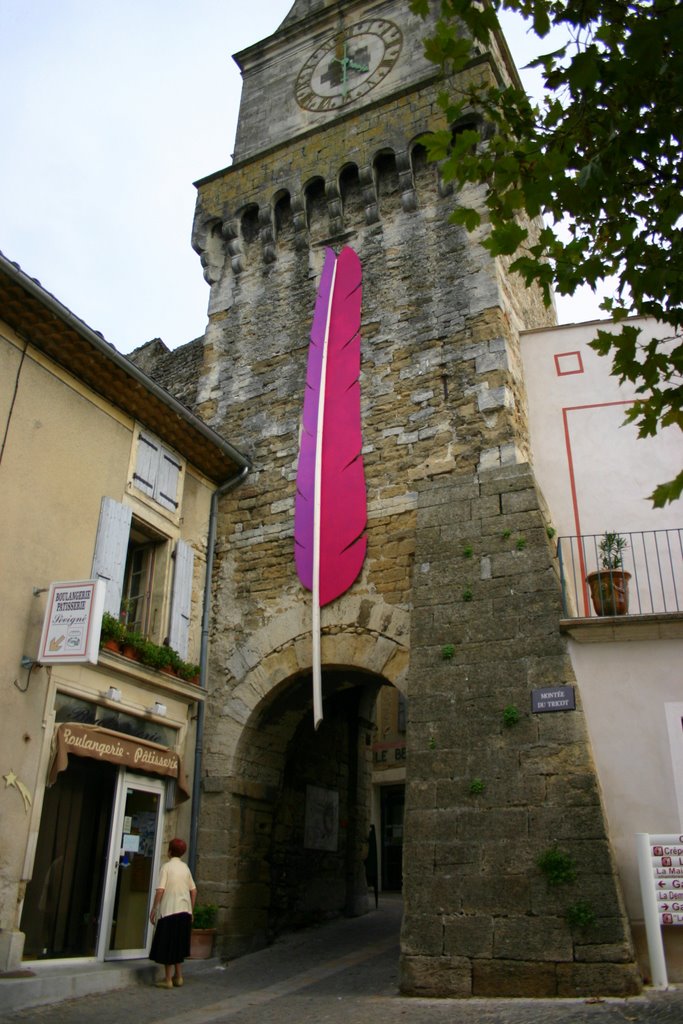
(113, 693)
(157, 709)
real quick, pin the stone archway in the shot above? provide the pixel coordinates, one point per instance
(256, 856)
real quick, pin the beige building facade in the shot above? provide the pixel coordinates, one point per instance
(105, 479)
(596, 475)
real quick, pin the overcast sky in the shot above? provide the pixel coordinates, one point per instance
(109, 111)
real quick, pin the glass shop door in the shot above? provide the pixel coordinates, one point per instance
(132, 869)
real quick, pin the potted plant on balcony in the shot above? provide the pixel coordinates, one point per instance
(203, 931)
(609, 584)
(112, 633)
(189, 672)
(132, 645)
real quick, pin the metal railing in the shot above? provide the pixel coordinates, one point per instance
(653, 559)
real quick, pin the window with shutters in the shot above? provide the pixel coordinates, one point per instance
(148, 576)
(157, 471)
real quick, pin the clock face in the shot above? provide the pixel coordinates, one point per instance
(349, 65)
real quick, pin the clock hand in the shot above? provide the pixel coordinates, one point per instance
(358, 67)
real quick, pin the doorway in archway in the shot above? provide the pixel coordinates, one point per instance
(392, 804)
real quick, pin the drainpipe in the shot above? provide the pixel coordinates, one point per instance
(204, 657)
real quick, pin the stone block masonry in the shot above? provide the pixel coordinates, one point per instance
(485, 800)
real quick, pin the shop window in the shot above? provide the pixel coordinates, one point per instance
(132, 560)
(74, 709)
(157, 472)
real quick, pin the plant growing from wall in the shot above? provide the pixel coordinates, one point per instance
(520, 543)
(580, 914)
(447, 651)
(467, 593)
(558, 866)
(468, 551)
(477, 786)
(511, 715)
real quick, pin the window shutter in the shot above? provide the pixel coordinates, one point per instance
(146, 464)
(111, 546)
(167, 483)
(181, 599)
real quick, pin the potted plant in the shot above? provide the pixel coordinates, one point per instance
(132, 644)
(153, 655)
(203, 931)
(112, 633)
(189, 672)
(609, 584)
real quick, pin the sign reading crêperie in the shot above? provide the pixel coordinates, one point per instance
(73, 620)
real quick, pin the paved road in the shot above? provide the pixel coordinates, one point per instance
(341, 973)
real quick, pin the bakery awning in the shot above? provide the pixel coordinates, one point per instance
(106, 745)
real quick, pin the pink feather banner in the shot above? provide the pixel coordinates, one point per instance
(331, 509)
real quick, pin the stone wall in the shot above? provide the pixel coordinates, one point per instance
(485, 799)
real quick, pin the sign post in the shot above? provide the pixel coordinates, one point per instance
(660, 867)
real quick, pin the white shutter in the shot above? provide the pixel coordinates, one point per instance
(111, 547)
(146, 464)
(166, 491)
(181, 599)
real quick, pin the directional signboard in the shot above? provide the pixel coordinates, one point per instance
(660, 867)
(666, 855)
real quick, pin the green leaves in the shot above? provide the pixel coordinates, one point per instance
(601, 155)
(505, 239)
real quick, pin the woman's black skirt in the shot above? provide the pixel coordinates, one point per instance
(171, 942)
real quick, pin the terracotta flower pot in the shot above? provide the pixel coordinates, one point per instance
(609, 591)
(201, 943)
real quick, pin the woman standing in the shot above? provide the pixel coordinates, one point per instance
(171, 912)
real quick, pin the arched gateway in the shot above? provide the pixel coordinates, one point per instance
(286, 813)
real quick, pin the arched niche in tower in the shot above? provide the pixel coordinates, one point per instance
(284, 219)
(316, 209)
(352, 197)
(388, 188)
(249, 231)
(424, 171)
(471, 122)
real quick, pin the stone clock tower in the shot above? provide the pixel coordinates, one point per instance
(328, 154)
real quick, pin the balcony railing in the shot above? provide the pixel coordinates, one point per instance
(654, 559)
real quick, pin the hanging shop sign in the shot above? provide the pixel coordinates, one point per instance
(72, 624)
(107, 745)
